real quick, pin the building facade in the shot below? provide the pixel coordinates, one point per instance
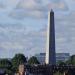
(59, 57)
(62, 57)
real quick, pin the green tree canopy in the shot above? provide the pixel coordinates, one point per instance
(61, 63)
(18, 59)
(33, 60)
(5, 63)
(71, 60)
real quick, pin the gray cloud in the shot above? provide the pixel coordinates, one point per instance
(36, 9)
(17, 38)
(2, 5)
(14, 39)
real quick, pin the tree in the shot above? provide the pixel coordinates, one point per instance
(33, 60)
(71, 60)
(61, 63)
(18, 59)
(5, 63)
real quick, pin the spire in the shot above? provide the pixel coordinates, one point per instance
(52, 11)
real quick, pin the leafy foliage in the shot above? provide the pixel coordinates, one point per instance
(5, 63)
(18, 59)
(33, 60)
(71, 60)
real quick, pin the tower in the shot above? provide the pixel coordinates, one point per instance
(50, 50)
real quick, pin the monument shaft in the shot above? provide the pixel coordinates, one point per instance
(50, 50)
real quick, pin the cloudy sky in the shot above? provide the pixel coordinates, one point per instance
(23, 26)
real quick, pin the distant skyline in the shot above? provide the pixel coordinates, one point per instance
(23, 25)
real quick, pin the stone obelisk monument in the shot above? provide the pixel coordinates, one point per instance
(50, 50)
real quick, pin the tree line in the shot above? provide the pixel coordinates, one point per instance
(11, 65)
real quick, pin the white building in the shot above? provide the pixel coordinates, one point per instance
(59, 57)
